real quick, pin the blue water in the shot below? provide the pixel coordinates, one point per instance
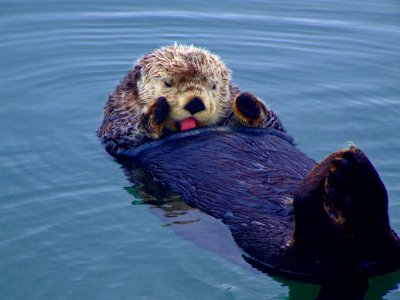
(72, 228)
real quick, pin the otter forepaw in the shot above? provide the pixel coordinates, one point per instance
(161, 110)
(155, 118)
(248, 108)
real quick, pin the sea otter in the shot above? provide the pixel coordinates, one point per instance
(177, 88)
(325, 223)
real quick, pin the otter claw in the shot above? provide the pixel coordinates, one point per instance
(247, 104)
(161, 110)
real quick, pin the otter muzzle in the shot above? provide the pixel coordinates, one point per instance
(195, 105)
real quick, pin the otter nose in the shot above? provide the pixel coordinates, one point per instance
(195, 105)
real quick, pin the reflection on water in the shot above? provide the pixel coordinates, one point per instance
(171, 205)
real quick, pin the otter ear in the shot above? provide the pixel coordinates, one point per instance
(137, 72)
(129, 82)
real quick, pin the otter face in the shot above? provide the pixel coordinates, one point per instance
(194, 82)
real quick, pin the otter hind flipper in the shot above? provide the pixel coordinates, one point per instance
(355, 194)
(341, 211)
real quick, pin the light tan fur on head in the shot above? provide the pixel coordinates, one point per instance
(172, 88)
(180, 73)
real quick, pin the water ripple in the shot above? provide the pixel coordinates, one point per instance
(330, 71)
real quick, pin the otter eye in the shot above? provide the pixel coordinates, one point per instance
(214, 86)
(167, 84)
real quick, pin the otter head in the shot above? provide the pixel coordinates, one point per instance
(194, 82)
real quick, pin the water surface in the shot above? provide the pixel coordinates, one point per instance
(68, 228)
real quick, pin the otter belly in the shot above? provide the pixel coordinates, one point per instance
(244, 177)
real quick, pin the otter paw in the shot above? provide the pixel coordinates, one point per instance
(248, 109)
(339, 178)
(349, 174)
(353, 186)
(154, 120)
(248, 106)
(161, 110)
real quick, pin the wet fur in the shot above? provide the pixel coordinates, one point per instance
(134, 113)
(325, 223)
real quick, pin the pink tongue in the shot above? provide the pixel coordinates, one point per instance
(188, 123)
